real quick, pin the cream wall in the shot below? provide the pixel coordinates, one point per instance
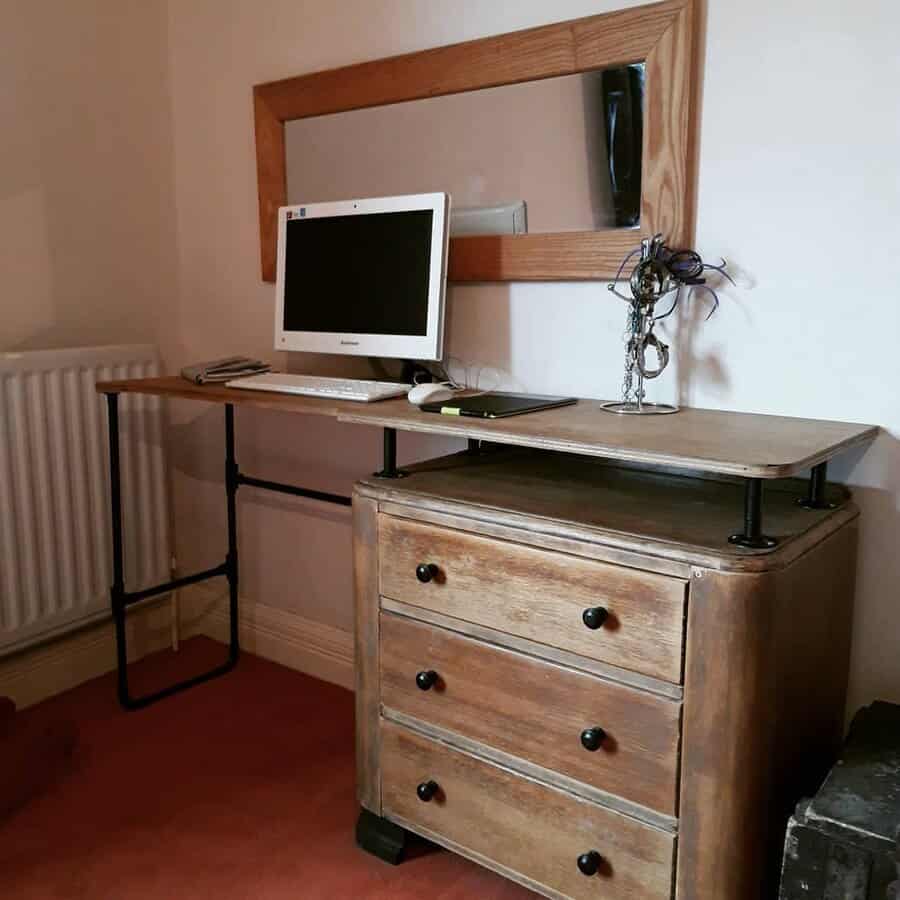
(87, 254)
(798, 186)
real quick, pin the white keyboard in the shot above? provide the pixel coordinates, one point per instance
(314, 386)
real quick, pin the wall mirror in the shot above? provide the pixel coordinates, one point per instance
(562, 146)
(575, 166)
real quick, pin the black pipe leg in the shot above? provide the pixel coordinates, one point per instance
(390, 469)
(120, 598)
(115, 493)
(818, 482)
(752, 536)
(117, 591)
(121, 655)
(231, 560)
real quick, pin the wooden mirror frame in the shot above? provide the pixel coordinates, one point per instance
(661, 35)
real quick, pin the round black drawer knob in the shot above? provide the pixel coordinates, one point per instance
(589, 863)
(426, 571)
(425, 681)
(592, 738)
(426, 791)
(594, 617)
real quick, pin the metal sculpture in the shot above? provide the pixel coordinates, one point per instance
(659, 272)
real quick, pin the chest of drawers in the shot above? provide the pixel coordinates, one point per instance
(566, 674)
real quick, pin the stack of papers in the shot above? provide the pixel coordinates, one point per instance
(224, 369)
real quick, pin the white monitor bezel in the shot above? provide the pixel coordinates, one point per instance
(428, 346)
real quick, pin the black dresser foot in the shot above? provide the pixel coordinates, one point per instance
(380, 837)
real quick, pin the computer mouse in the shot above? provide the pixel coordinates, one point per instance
(429, 393)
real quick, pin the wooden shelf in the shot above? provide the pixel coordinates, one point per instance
(716, 441)
(180, 388)
(671, 516)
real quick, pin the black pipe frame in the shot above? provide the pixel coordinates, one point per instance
(389, 469)
(322, 496)
(751, 537)
(120, 599)
(818, 482)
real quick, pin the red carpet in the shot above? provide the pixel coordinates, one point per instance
(238, 788)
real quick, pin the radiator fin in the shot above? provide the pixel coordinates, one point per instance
(55, 533)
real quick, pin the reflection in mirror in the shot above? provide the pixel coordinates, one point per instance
(558, 154)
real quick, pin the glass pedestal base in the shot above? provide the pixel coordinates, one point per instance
(630, 408)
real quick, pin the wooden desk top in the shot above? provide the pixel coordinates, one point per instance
(729, 443)
(181, 388)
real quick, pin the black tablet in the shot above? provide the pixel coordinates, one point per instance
(496, 405)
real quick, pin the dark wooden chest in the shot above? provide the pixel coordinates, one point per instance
(843, 844)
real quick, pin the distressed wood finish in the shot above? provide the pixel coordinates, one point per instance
(368, 687)
(765, 687)
(539, 595)
(765, 661)
(566, 503)
(705, 440)
(534, 771)
(535, 710)
(555, 534)
(522, 825)
(181, 389)
(538, 651)
(708, 440)
(661, 34)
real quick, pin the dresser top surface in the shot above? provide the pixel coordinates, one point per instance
(716, 441)
(664, 513)
(697, 439)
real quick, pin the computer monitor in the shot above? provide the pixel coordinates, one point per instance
(363, 277)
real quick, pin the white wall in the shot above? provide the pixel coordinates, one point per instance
(799, 185)
(86, 178)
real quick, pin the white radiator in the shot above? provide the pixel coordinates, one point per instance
(55, 543)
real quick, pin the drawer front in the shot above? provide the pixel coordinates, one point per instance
(522, 825)
(538, 594)
(535, 710)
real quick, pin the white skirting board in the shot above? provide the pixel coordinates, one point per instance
(320, 650)
(65, 662)
(284, 637)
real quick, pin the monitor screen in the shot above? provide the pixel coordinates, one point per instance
(363, 277)
(363, 274)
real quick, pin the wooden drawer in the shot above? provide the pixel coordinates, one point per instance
(538, 594)
(534, 710)
(519, 825)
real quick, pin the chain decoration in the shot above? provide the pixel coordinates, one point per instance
(660, 271)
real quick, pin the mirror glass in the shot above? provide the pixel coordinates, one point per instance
(559, 154)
